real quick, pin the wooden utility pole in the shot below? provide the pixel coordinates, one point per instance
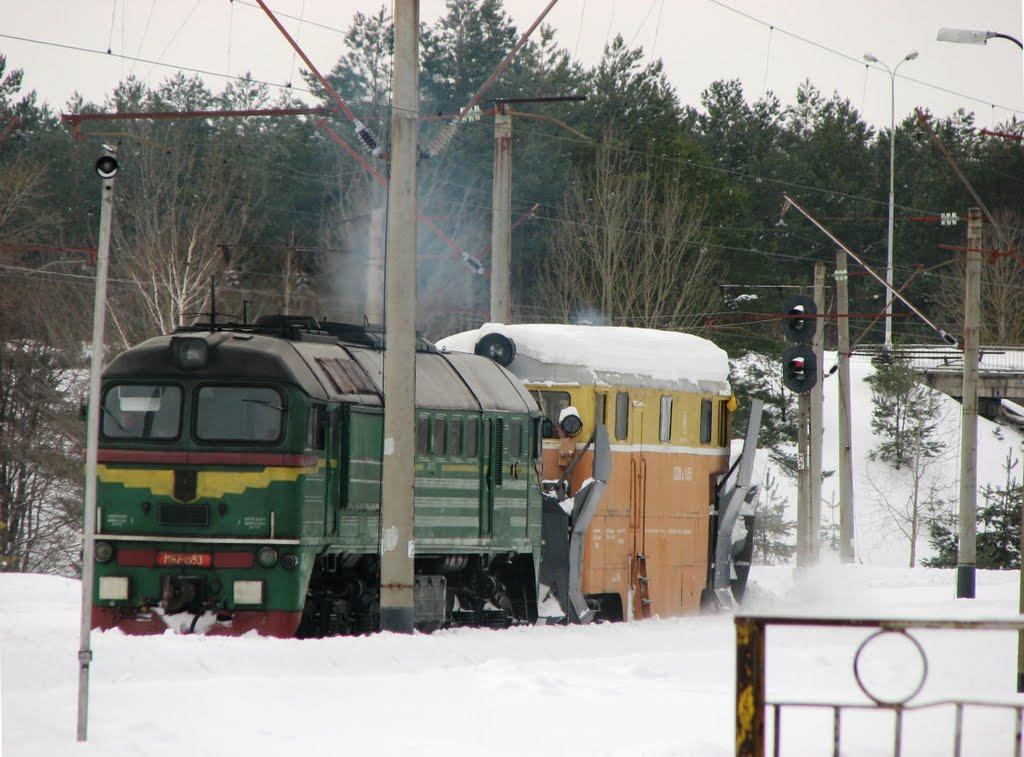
(966, 558)
(397, 546)
(846, 550)
(803, 482)
(817, 412)
(106, 167)
(501, 216)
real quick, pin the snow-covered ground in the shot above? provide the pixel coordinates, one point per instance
(660, 687)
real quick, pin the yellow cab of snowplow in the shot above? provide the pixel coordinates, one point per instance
(666, 402)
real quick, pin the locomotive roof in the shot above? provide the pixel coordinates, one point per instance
(327, 368)
(560, 353)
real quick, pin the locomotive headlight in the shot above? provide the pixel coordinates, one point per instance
(113, 587)
(189, 353)
(288, 562)
(266, 557)
(103, 551)
(569, 421)
(247, 592)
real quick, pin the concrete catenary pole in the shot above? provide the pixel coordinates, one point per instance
(817, 413)
(106, 167)
(374, 280)
(397, 547)
(965, 559)
(501, 217)
(846, 549)
(803, 482)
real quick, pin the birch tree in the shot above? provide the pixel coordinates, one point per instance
(630, 245)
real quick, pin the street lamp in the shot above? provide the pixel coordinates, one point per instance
(887, 346)
(973, 37)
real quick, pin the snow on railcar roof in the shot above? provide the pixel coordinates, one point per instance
(661, 355)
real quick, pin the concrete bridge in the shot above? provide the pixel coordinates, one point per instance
(1000, 377)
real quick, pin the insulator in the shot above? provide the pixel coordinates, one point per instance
(368, 140)
(443, 138)
(476, 265)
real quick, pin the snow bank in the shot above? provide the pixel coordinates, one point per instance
(666, 355)
(661, 687)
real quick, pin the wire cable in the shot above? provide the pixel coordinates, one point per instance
(152, 62)
(840, 53)
(173, 38)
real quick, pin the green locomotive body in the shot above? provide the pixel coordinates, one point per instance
(239, 484)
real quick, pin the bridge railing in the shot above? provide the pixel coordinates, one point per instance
(929, 358)
(753, 709)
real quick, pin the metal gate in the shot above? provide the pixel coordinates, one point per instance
(752, 709)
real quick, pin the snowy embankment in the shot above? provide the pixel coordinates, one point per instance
(878, 489)
(662, 687)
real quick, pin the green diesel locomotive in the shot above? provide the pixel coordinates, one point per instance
(239, 484)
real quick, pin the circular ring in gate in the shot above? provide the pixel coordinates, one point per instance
(858, 674)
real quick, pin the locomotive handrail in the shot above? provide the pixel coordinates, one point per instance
(197, 539)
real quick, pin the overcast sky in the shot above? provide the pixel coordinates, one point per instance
(699, 41)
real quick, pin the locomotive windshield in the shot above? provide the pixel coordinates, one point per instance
(239, 414)
(142, 411)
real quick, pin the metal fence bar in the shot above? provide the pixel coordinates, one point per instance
(749, 687)
(836, 711)
(777, 734)
(898, 739)
(1017, 733)
(958, 730)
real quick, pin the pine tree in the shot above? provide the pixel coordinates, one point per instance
(772, 532)
(904, 414)
(998, 545)
(942, 534)
(906, 417)
(998, 540)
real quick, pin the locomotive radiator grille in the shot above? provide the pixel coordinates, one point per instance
(183, 515)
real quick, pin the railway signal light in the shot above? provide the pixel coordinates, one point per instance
(799, 368)
(800, 330)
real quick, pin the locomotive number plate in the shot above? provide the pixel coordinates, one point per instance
(186, 559)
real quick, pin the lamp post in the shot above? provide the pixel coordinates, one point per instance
(974, 37)
(887, 346)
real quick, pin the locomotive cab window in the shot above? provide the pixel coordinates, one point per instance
(705, 421)
(142, 411)
(665, 427)
(723, 423)
(551, 404)
(239, 414)
(600, 402)
(621, 415)
(316, 430)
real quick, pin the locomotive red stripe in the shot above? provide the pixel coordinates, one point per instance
(175, 457)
